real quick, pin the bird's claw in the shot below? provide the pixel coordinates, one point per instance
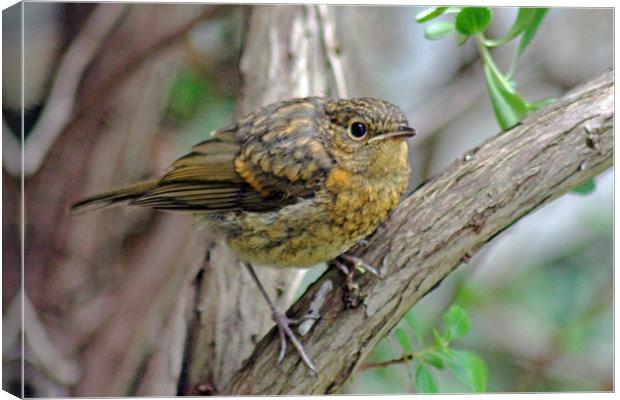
(284, 324)
(358, 263)
(354, 296)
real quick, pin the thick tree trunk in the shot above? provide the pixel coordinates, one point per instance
(437, 228)
(288, 51)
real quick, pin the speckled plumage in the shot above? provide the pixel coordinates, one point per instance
(288, 185)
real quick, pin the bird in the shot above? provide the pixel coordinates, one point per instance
(292, 184)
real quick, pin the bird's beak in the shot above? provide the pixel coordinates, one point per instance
(404, 133)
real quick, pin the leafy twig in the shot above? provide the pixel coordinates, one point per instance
(509, 106)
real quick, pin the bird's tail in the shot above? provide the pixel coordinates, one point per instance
(114, 197)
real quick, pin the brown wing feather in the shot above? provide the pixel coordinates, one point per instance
(203, 180)
(267, 160)
(284, 148)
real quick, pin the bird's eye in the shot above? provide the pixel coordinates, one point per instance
(357, 130)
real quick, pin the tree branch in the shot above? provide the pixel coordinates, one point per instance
(162, 44)
(60, 102)
(436, 229)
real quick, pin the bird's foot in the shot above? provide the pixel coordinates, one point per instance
(284, 324)
(348, 264)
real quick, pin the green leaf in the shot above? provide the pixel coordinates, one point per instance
(537, 15)
(524, 18)
(473, 20)
(440, 342)
(404, 341)
(425, 382)
(430, 13)
(438, 30)
(530, 30)
(469, 369)
(456, 322)
(537, 105)
(585, 188)
(509, 107)
(434, 359)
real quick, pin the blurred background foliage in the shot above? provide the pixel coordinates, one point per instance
(539, 297)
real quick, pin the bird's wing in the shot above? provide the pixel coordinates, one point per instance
(259, 164)
(204, 180)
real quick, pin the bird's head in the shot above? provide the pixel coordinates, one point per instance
(367, 136)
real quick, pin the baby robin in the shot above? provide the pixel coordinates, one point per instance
(293, 184)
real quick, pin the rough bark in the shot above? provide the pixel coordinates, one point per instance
(288, 51)
(437, 228)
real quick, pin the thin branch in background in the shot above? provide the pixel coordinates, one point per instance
(41, 349)
(332, 49)
(59, 105)
(11, 150)
(145, 56)
(401, 360)
(57, 114)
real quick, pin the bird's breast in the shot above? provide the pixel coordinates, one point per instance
(362, 203)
